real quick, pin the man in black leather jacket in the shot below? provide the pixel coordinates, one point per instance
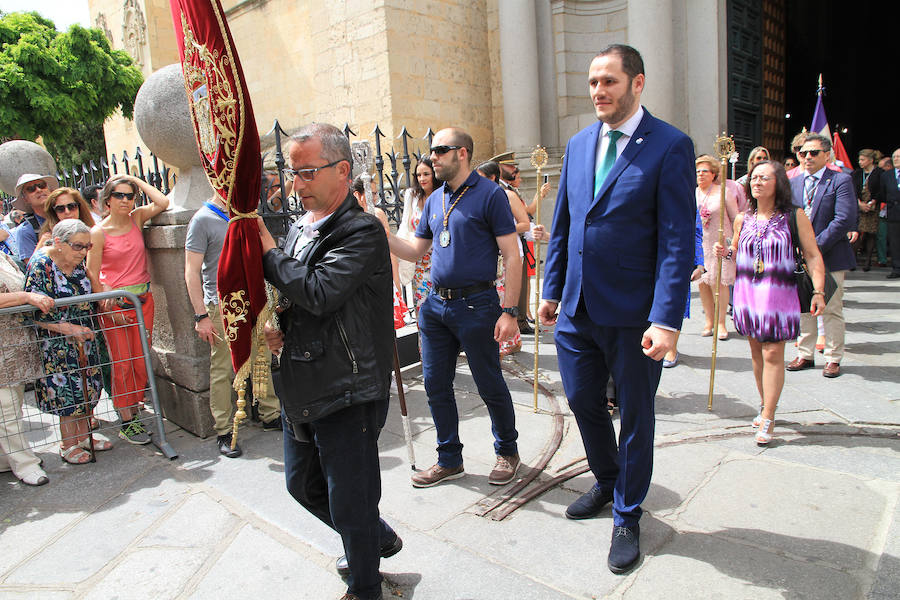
(336, 351)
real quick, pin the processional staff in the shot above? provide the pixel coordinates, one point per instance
(724, 150)
(538, 160)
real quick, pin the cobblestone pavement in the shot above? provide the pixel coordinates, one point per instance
(814, 515)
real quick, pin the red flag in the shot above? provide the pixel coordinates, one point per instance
(229, 146)
(840, 153)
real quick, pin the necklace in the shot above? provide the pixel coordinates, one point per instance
(444, 237)
(759, 266)
(705, 213)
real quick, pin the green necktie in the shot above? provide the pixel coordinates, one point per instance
(609, 159)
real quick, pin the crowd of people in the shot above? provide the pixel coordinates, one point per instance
(616, 288)
(64, 248)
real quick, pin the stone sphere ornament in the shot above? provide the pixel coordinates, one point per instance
(18, 157)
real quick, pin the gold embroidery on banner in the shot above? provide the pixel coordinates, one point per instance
(214, 106)
(235, 308)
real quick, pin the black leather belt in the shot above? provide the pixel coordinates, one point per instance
(455, 293)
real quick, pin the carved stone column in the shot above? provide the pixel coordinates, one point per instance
(651, 32)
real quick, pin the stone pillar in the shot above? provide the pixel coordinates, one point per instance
(181, 359)
(547, 75)
(651, 32)
(519, 74)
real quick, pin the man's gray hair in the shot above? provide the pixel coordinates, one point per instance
(822, 139)
(335, 145)
(68, 228)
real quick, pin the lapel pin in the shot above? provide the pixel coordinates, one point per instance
(639, 140)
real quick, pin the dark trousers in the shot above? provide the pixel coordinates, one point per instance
(445, 327)
(894, 244)
(588, 354)
(336, 476)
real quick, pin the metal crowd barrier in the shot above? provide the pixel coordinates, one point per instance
(41, 429)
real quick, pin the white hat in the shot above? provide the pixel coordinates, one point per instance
(19, 202)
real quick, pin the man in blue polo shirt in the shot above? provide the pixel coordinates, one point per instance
(469, 221)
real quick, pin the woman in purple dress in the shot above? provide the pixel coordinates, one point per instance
(766, 307)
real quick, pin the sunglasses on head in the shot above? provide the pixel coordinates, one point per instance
(123, 195)
(37, 185)
(796, 149)
(812, 153)
(61, 208)
(444, 149)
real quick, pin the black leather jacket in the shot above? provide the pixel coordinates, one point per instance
(338, 331)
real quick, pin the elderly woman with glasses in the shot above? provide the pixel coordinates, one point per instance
(708, 206)
(72, 383)
(119, 260)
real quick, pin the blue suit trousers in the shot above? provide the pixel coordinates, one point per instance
(588, 354)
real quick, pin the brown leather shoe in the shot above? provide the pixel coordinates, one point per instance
(504, 469)
(435, 475)
(798, 364)
(832, 370)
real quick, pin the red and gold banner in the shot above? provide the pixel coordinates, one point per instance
(229, 145)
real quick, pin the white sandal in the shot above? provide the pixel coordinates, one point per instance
(764, 434)
(758, 418)
(100, 445)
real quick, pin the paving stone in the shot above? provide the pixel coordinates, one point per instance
(256, 566)
(817, 514)
(149, 573)
(887, 571)
(33, 594)
(107, 532)
(198, 523)
(25, 532)
(428, 568)
(696, 565)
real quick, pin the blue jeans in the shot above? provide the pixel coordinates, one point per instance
(445, 328)
(336, 477)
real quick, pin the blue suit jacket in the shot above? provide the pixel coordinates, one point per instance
(834, 213)
(630, 249)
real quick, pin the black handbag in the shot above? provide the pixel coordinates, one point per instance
(801, 271)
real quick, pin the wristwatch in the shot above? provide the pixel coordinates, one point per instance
(200, 317)
(512, 310)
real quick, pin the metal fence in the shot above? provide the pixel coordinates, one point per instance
(392, 174)
(45, 383)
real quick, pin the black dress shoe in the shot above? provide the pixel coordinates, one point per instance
(224, 443)
(387, 550)
(525, 328)
(625, 549)
(893, 275)
(590, 504)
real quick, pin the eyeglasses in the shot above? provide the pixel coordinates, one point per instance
(61, 208)
(123, 195)
(703, 171)
(37, 185)
(77, 247)
(761, 178)
(812, 153)
(441, 150)
(308, 174)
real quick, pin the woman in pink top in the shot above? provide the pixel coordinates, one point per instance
(119, 259)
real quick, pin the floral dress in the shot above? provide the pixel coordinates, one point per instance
(708, 208)
(72, 385)
(421, 279)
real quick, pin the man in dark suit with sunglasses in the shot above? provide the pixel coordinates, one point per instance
(829, 200)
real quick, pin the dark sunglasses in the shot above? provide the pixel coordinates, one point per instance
(122, 195)
(61, 208)
(79, 247)
(440, 150)
(38, 185)
(812, 153)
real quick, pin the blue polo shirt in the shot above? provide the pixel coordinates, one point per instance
(26, 238)
(478, 219)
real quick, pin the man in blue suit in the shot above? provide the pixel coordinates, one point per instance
(830, 203)
(619, 262)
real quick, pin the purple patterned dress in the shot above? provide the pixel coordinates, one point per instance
(766, 307)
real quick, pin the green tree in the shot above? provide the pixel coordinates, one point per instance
(60, 85)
